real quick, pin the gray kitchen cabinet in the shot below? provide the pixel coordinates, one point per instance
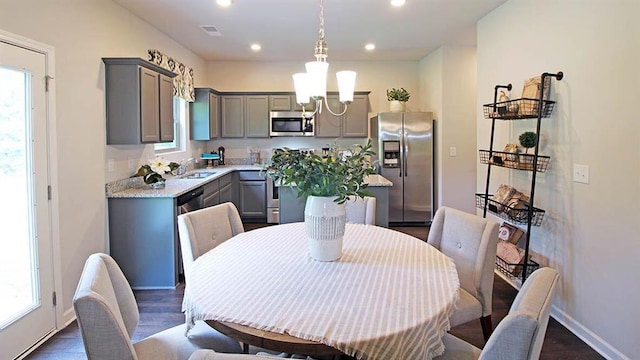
(256, 116)
(139, 102)
(281, 102)
(143, 239)
(211, 195)
(232, 116)
(226, 189)
(326, 124)
(355, 122)
(205, 115)
(252, 200)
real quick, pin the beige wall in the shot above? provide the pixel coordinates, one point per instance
(447, 88)
(82, 32)
(590, 231)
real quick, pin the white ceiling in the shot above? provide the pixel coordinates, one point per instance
(287, 29)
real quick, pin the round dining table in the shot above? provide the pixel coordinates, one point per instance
(389, 296)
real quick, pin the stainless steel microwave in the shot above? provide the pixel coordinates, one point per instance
(290, 123)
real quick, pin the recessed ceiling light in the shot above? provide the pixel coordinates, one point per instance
(256, 47)
(397, 2)
(223, 3)
(370, 47)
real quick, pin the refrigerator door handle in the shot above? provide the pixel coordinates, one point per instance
(405, 152)
(401, 160)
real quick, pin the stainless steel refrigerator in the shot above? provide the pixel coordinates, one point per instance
(404, 149)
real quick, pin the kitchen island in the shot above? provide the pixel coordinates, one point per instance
(292, 207)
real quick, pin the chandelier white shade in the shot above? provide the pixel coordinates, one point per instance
(312, 85)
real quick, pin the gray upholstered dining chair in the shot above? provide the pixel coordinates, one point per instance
(521, 333)
(202, 230)
(471, 242)
(361, 210)
(107, 314)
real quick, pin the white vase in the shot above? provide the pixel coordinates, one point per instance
(324, 221)
(396, 106)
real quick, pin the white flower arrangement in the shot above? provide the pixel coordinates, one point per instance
(153, 171)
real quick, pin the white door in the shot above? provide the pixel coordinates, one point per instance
(27, 312)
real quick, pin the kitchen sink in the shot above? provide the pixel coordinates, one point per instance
(198, 175)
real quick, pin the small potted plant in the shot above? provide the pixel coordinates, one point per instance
(528, 140)
(397, 99)
(327, 182)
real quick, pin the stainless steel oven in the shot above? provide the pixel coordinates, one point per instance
(273, 202)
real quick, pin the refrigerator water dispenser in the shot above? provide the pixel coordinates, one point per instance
(391, 149)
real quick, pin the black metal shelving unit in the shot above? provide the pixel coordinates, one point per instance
(518, 109)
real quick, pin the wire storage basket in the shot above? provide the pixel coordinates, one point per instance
(513, 271)
(518, 216)
(514, 160)
(523, 108)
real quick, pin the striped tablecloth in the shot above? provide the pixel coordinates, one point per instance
(389, 296)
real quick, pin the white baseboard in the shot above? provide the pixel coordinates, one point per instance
(69, 316)
(594, 341)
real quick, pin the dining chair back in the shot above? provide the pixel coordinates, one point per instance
(202, 230)
(107, 315)
(521, 333)
(471, 242)
(361, 210)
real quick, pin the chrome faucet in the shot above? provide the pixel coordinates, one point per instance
(184, 166)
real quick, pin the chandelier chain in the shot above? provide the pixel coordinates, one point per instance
(321, 32)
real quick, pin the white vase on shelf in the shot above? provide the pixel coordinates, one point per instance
(324, 221)
(396, 106)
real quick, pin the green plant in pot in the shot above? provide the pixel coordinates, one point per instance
(528, 140)
(326, 182)
(397, 99)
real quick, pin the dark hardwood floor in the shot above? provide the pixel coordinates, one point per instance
(160, 309)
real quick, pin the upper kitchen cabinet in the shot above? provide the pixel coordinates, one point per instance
(257, 116)
(281, 102)
(354, 123)
(139, 97)
(232, 116)
(326, 124)
(205, 115)
(244, 115)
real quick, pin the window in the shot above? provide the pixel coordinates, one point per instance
(179, 128)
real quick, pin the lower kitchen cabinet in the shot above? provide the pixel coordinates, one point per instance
(211, 194)
(252, 199)
(143, 239)
(226, 189)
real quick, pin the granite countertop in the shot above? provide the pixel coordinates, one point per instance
(135, 188)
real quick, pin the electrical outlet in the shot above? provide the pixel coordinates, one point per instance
(110, 165)
(453, 151)
(130, 164)
(581, 173)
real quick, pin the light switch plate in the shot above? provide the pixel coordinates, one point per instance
(581, 173)
(453, 151)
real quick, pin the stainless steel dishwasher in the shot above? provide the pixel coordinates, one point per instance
(187, 202)
(190, 201)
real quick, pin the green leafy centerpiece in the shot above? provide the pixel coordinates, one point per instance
(327, 182)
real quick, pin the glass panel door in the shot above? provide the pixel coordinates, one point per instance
(27, 313)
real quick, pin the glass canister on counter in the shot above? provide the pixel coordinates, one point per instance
(254, 156)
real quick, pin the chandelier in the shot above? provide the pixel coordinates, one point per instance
(312, 85)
